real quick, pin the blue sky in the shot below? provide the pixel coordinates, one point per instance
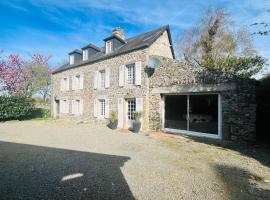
(57, 27)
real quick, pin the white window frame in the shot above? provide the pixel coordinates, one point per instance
(109, 46)
(65, 106)
(102, 78)
(77, 106)
(130, 74)
(65, 84)
(71, 59)
(77, 82)
(194, 133)
(85, 54)
(131, 109)
(102, 109)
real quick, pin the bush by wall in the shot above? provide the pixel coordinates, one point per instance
(15, 107)
(40, 113)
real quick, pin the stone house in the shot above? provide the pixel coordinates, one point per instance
(141, 74)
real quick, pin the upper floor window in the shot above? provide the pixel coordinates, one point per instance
(64, 84)
(71, 59)
(77, 82)
(85, 54)
(130, 74)
(109, 46)
(102, 78)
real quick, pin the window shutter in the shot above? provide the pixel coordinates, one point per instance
(62, 84)
(96, 80)
(139, 104)
(67, 86)
(138, 73)
(121, 75)
(107, 108)
(139, 108)
(73, 83)
(107, 78)
(95, 108)
(120, 112)
(61, 106)
(73, 106)
(81, 82)
(81, 107)
(67, 107)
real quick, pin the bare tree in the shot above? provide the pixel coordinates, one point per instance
(215, 45)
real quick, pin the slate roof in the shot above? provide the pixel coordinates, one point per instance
(138, 42)
(92, 46)
(75, 51)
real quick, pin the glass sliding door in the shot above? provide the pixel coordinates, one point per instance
(203, 113)
(194, 112)
(176, 112)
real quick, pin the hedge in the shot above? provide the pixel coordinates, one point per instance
(15, 107)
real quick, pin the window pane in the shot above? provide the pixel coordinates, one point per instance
(102, 107)
(130, 74)
(176, 112)
(131, 109)
(203, 113)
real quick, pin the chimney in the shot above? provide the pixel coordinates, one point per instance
(119, 32)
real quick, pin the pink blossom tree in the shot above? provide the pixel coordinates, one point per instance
(12, 74)
(27, 77)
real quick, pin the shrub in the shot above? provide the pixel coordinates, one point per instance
(39, 113)
(138, 116)
(15, 107)
(113, 117)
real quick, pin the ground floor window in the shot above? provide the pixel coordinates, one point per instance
(77, 106)
(197, 113)
(102, 107)
(64, 107)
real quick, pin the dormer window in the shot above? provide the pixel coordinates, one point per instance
(85, 54)
(109, 46)
(75, 57)
(71, 59)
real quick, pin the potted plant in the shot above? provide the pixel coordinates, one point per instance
(113, 120)
(137, 123)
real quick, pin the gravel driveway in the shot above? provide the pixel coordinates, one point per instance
(57, 160)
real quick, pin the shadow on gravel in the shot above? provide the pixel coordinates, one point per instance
(35, 172)
(241, 184)
(257, 151)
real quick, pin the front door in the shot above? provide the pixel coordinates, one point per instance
(131, 109)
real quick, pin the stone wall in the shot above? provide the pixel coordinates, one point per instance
(239, 111)
(237, 96)
(161, 47)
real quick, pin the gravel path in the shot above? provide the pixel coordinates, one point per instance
(58, 160)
